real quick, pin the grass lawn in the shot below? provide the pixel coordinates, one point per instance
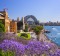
(27, 38)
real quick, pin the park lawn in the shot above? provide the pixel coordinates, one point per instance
(27, 38)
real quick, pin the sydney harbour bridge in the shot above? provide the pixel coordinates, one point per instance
(31, 20)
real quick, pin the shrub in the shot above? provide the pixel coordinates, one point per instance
(6, 53)
(40, 27)
(37, 29)
(2, 28)
(24, 35)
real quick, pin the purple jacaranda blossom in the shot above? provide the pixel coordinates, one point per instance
(57, 52)
(13, 37)
(36, 47)
(33, 47)
(12, 46)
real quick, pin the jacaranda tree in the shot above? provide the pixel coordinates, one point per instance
(37, 48)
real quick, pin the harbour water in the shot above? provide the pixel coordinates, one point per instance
(54, 34)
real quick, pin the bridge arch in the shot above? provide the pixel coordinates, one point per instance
(30, 19)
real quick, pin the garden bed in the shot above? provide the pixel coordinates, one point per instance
(24, 35)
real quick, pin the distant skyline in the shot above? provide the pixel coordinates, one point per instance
(43, 10)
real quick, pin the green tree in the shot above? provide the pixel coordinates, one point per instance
(37, 30)
(2, 28)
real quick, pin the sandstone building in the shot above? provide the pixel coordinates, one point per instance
(10, 26)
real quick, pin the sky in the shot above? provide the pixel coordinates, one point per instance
(43, 10)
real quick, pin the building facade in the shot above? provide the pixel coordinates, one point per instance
(13, 26)
(10, 26)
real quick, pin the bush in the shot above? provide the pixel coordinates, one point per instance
(2, 28)
(24, 35)
(6, 53)
(37, 29)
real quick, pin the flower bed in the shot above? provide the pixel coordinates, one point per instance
(9, 47)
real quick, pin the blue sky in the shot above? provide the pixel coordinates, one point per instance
(43, 10)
